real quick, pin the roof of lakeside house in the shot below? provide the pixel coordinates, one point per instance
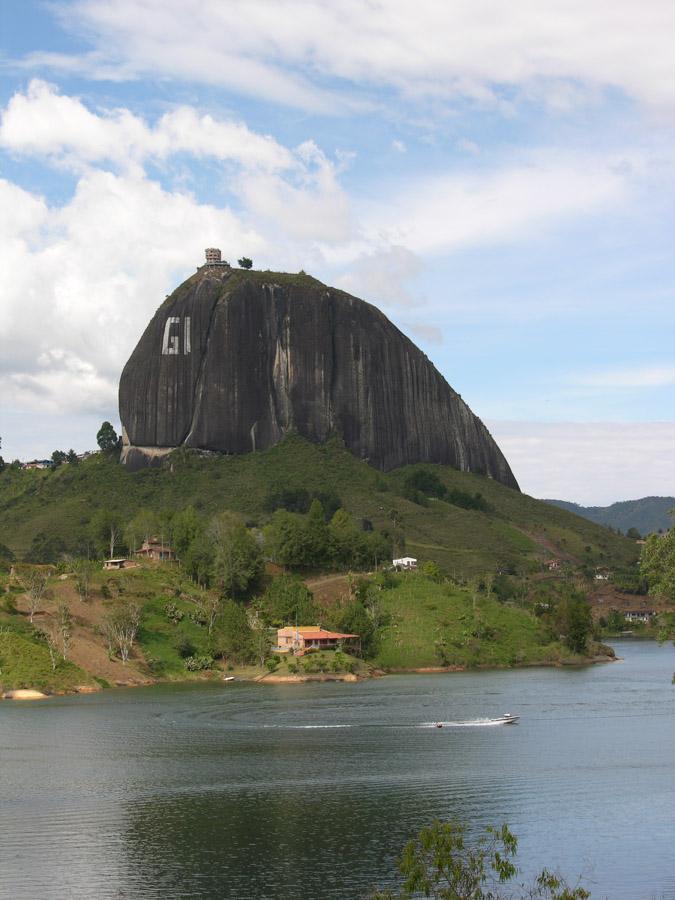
(315, 634)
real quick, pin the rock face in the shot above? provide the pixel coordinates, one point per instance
(233, 360)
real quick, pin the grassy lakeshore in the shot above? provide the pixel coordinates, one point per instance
(424, 624)
(441, 625)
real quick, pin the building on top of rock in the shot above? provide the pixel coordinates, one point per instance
(213, 257)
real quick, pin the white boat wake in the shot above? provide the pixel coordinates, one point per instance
(471, 723)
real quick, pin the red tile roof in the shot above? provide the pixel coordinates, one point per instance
(318, 634)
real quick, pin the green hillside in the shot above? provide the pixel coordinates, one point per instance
(647, 515)
(509, 531)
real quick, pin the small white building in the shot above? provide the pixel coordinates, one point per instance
(644, 616)
(404, 563)
(120, 563)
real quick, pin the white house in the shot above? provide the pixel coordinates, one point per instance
(405, 562)
(640, 616)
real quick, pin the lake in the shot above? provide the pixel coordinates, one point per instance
(246, 790)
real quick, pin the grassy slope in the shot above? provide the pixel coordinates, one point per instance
(519, 531)
(425, 614)
(24, 658)
(25, 661)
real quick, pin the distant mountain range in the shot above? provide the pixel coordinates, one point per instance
(648, 514)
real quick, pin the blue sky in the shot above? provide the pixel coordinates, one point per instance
(498, 179)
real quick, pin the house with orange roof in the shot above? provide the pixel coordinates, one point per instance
(292, 639)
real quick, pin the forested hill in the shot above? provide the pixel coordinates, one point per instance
(647, 515)
(468, 524)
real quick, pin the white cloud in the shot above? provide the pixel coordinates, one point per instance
(443, 212)
(42, 122)
(307, 204)
(288, 51)
(628, 377)
(383, 276)
(295, 191)
(81, 281)
(594, 464)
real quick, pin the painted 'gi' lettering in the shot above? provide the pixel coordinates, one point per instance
(172, 333)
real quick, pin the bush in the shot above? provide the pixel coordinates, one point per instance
(198, 663)
(9, 604)
(173, 613)
(422, 483)
(272, 663)
(185, 647)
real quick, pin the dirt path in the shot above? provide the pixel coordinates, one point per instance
(328, 587)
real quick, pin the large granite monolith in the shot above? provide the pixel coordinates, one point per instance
(233, 360)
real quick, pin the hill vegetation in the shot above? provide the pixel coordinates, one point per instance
(251, 533)
(467, 524)
(647, 515)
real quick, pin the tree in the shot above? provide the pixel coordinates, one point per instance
(288, 540)
(288, 601)
(106, 530)
(71, 457)
(235, 639)
(106, 438)
(62, 629)
(58, 458)
(141, 528)
(657, 564)
(36, 586)
(197, 562)
(187, 526)
(84, 571)
(245, 262)
(261, 640)
(120, 627)
(574, 621)
(344, 539)
(238, 562)
(46, 548)
(317, 534)
(354, 619)
(211, 606)
(441, 863)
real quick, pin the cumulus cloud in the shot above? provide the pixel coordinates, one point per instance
(308, 204)
(318, 56)
(594, 464)
(80, 281)
(43, 122)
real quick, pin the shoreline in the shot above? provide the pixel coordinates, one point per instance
(19, 694)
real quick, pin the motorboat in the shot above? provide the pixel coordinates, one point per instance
(228, 678)
(509, 719)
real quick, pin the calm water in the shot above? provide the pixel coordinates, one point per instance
(309, 791)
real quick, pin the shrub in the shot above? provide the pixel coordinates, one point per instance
(173, 613)
(185, 647)
(198, 663)
(9, 604)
